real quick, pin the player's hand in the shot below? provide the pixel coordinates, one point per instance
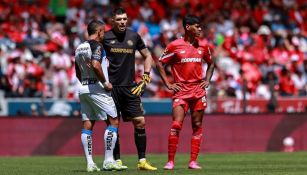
(107, 86)
(175, 87)
(204, 84)
(139, 89)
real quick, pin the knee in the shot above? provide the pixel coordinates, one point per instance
(139, 122)
(176, 125)
(197, 124)
(88, 125)
(113, 122)
(176, 128)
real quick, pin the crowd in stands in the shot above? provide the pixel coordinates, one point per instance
(260, 46)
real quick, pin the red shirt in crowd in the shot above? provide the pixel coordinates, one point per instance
(286, 85)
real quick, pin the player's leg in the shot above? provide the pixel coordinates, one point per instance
(173, 137)
(140, 142)
(196, 117)
(132, 110)
(140, 136)
(104, 108)
(86, 133)
(116, 152)
(87, 143)
(197, 113)
(116, 95)
(110, 138)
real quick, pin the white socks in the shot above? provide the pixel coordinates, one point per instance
(110, 137)
(86, 139)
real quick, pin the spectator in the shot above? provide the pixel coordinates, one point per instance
(286, 84)
(270, 33)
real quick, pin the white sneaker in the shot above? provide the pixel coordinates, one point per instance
(92, 168)
(111, 166)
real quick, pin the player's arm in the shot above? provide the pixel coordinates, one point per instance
(209, 72)
(139, 89)
(78, 72)
(147, 59)
(161, 69)
(99, 73)
(166, 58)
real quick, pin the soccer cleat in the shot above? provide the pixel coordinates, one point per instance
(144, 165)
(92, 168)
(111, 166)
(169, 165)
(120, 163)
(194, 165)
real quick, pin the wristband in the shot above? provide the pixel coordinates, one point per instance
(147, 73)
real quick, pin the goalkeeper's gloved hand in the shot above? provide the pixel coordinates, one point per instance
(139, 89)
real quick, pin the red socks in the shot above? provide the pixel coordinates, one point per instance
(195, 143)
(173, 139)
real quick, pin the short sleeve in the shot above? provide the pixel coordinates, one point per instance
(167, 55)
(96, 51)
(140, 45)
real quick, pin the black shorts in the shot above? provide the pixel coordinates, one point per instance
(128, 106)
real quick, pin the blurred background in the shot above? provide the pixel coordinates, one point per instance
(260, 49)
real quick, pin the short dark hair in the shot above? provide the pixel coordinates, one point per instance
(118, 11)
(190, 20)
(93, 25)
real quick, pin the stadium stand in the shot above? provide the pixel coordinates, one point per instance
(258, 43)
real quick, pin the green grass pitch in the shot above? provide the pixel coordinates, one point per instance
(213, 164)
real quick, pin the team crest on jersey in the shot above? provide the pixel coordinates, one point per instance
(165, 51)
(199, 52)
(112, 42)
(130, 43)
(183, 51)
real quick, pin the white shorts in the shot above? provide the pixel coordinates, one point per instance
(96, 106)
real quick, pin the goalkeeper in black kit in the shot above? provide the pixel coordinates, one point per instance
(120, 45)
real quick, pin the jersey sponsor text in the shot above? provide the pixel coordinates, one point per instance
(190, 60)
(121, 50)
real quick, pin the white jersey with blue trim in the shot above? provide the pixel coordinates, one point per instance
(84, 54)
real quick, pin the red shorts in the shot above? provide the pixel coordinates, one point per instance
(192, 97)
(194, 104)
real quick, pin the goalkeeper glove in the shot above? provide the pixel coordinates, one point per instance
(139, 89)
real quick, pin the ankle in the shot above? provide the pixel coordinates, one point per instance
(142, 159)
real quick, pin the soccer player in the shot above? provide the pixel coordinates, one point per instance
(95, 96)
(186, 56)
(120, 45)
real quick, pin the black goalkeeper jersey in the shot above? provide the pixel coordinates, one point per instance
(120, 50)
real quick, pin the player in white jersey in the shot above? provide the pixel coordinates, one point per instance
(95, 96)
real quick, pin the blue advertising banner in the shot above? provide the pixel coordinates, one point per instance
(51, 107)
